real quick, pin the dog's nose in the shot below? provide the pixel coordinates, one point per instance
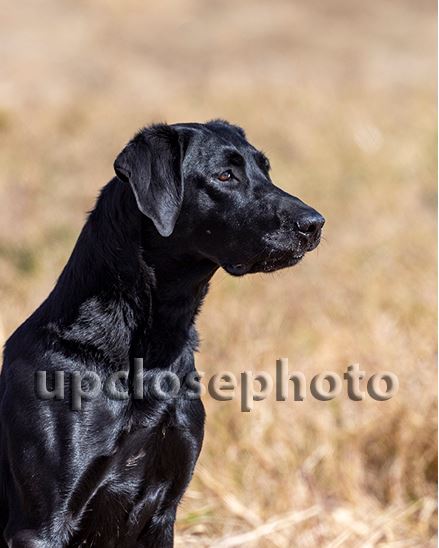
(310, 224)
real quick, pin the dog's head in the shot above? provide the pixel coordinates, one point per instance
(205, 187)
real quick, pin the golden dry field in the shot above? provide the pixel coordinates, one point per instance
(341, 94)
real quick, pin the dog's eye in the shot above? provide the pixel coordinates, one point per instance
(225, 176)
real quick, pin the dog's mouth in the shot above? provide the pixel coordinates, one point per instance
(278, 254)
(268, 265)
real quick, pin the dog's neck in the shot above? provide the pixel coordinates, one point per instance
(133, 287)
(181, 284)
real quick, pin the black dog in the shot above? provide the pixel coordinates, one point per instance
(187, 200)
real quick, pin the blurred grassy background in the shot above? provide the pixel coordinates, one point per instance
(341, 96)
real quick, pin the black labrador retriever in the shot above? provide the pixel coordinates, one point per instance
(188, 199)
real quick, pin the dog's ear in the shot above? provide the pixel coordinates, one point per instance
(151, 163)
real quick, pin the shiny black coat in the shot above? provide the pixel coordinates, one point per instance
(187, 200)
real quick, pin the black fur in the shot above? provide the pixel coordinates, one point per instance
(113, 473)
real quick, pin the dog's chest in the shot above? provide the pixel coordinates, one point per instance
(150, 468)
(162, 439)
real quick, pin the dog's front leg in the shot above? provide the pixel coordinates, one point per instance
(160, 531)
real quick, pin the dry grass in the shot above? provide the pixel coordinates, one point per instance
(341, 95)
